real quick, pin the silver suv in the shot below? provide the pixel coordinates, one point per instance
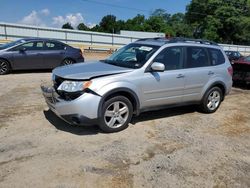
(144, 75)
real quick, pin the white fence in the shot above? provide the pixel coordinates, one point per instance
(15, 31)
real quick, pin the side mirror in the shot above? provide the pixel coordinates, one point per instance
(158, 67)
(22, 50)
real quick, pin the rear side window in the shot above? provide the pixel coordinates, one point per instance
(197, 57)
(216, 57)
(54, 46)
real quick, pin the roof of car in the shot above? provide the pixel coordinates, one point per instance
(37, 38)
(159, 41)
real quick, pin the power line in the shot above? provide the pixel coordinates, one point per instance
(116, 6)
(144, 10)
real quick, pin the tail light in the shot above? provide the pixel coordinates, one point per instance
(230, 70)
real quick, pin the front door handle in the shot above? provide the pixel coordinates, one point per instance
(180, 76)
(210, 73)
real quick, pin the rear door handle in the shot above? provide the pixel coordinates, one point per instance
(180, 76)
(210, 73)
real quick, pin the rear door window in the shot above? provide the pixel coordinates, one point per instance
(196, 57)
(216, 56)
(54, 46)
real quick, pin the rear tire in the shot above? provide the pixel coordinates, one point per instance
(116, 114)
(211, 100)
(4, 67)
(67, 62)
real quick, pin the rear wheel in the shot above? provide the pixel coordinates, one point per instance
(211, 100)
(67, 62)
(116, 114)
(4, 67)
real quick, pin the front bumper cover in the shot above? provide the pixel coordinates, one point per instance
(73, 112)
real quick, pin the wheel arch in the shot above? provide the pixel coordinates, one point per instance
(220, 85)
(126, 92)
(2, 58)
(74, 61)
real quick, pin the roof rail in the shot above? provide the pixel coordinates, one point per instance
(163, 39)
(179, 39)
(201, 41)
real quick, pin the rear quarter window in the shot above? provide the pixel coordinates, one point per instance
(197, 57)
(216, 57)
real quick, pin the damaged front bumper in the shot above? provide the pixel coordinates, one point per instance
(80, 111)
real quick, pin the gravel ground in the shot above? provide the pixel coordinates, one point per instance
(177, 147)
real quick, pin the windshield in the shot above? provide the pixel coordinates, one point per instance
(10, 44)
(132, 55)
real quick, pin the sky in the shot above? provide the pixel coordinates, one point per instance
(54, 13)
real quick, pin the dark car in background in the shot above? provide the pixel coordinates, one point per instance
(241, 69)
(37, 53)
(233, 55)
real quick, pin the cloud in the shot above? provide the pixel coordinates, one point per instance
(45, 12)
(91, 25)
(34, 18)
(73, 19)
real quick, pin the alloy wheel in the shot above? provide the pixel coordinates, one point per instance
(116, 114)
(67, 62)
(3, 67)
(214, 100)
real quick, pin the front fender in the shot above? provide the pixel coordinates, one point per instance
(121, 86)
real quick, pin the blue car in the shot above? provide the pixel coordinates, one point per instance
(37, 53)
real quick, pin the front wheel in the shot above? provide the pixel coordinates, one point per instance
(4, 67)
(211, 100)
(116, 114)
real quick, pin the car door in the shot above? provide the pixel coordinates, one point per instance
(198, 72)
(53, 54)
(164, 88)
(27, 56)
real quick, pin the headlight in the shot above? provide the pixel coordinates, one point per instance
(74, 86)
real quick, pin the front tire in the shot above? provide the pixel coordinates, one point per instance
(4, 67)
(116, 114)
(211, 100)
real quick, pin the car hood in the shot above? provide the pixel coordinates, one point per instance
(88, 70)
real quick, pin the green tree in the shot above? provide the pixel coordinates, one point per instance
(108, 24)
(67, 26)
(179, 27)
(136, 23)
(161, 13)
(220, 20)
(83, 27)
